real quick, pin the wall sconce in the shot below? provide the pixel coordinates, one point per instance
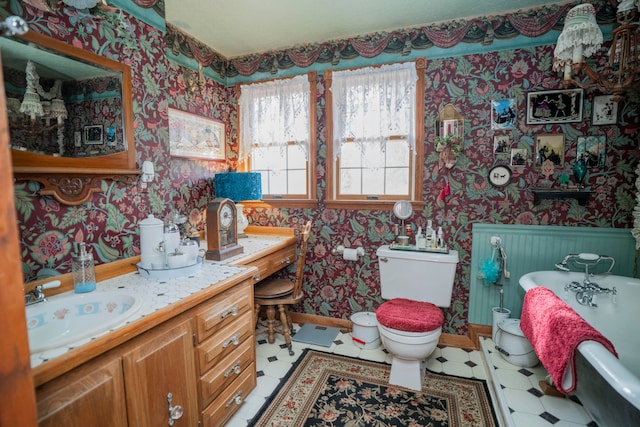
(239, 186)
(148, 173)
(193, 82)
(581, 38)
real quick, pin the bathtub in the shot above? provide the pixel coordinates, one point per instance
(608, 388)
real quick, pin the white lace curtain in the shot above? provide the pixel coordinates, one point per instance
(274, 113)
(372, 104)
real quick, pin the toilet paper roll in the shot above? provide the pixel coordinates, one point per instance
(350, 254)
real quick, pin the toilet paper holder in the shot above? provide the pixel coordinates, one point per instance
(340, 250)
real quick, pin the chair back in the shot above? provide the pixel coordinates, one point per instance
(306, 231)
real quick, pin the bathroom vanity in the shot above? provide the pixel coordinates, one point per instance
(187, 358)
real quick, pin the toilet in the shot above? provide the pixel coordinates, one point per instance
(414, 284)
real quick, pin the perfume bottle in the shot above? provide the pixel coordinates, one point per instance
(84, 275)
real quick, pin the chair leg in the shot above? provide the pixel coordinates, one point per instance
(285, 328)
(271, 320)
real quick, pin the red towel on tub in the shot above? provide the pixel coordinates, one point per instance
(555, 330)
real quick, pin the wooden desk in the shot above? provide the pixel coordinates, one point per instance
(269, 249)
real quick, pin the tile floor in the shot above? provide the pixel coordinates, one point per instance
(518, 392)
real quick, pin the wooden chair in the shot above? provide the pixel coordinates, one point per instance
(272, 293)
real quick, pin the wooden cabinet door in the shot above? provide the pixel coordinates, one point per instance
(162, 363)
(92, 395)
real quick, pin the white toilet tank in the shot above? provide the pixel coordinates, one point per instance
(420, 276)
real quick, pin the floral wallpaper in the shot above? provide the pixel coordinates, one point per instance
(334, 287)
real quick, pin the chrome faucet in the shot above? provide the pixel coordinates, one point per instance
(37, 295)
(586, 290)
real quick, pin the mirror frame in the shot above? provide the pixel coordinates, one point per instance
(73, 180)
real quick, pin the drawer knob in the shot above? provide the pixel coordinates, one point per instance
(237, 399)
(235, 369)
(256, 277)
(233, 311)
(175, 412)
(235, 340)
(287, 260)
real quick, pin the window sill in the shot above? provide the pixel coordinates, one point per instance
(385, 205)
(281, 203)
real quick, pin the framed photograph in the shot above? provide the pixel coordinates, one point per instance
(605, 111)
(550, 147)
(554, 106)
(93, 135)
(518, 157)
(77, 139)
(592, 149)
(504, 114)
(501, 145)
(195, 136)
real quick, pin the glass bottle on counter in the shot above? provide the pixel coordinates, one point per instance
(84, 275)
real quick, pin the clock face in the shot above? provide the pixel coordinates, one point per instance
(226, 216)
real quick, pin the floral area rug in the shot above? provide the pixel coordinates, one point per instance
(331, 390)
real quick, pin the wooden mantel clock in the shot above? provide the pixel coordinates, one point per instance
(222, 230)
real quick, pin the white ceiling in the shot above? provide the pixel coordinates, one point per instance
(241, 27)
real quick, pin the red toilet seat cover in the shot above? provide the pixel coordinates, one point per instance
(409, 315)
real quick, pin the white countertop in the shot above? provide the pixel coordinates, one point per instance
(158, 294)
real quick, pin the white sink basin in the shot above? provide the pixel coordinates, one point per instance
(70, 317)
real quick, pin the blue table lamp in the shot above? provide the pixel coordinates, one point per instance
(239, 186)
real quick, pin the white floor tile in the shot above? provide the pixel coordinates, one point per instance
(522, 401)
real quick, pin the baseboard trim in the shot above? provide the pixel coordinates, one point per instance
(470, 341)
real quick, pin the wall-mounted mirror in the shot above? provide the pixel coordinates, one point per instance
(70, 116)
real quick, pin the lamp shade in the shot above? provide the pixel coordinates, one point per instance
(581, 36)
(239, 186)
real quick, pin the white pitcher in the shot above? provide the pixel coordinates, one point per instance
(151, 237)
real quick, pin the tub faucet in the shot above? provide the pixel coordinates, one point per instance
(585, 292)
(37, 295)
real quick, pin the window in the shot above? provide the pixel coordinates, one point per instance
(375, 133)
(277, 134)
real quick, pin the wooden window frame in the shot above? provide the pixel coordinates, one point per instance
(291, 201)
(416, 166)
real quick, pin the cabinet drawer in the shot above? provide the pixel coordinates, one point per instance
(274, 262)
(225, 372)
(223, 310)
(230, 399)
(225, 342)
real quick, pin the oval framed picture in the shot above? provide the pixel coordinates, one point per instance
(500, 176)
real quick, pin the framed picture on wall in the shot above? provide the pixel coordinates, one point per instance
(605, 110)
(554, 106)
(504, 114)
(194, 136)
(549, 147)
(592, 149)
(93, 135)
(501, 145)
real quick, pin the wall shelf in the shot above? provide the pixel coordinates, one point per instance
(582, 196)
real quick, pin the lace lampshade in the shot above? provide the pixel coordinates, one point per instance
(31, 105)
(581, 37)
(239, 186)
(58, 110)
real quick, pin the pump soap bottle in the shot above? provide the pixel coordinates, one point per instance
(84, 275)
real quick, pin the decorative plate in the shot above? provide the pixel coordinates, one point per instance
(500, 176)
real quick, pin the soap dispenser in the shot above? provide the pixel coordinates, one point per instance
(84, 275)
